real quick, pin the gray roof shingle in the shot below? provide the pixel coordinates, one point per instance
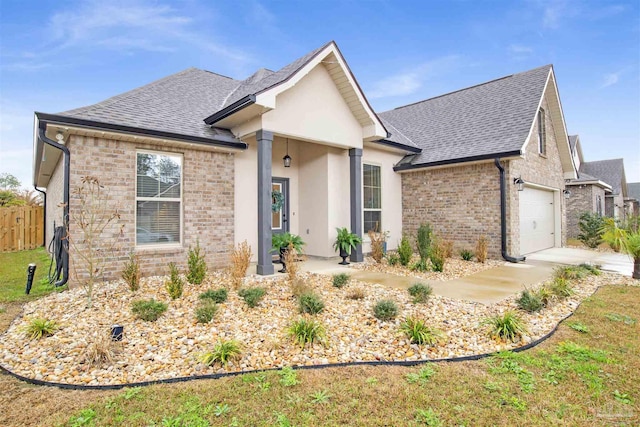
(633, 188)
(490, 118)
(572, 142)
(177, 103)
(609, 171)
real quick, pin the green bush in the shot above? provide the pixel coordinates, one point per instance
(252, 296)
(590, 268)
(420, 265)
(437, 256)
(393, 259)
(561, 287)
(149, 310)
(219, 295)
(386, 310)
(175, 284)
(420, 292)
(508, 326)
(423, 240)
(405, 252)
(310, 303)
(570, 272)
(419, 333)
(306, 331)
(466, 254)
(530, 301)
(223, 352)
(590, 225)
(206, 311)
(196, 265)
(340, 280)
(39, 327)
(131, 272)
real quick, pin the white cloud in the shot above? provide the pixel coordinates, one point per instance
(409, 81)
(611, 79)
(521, 50)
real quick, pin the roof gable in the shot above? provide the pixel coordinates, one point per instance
(634, 190)
(610, 171)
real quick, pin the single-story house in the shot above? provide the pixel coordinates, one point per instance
(198, 156)
(612, 172)
(587, 193)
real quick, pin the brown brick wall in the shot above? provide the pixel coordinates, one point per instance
(208, 200)
(583, 199)
(55, 196)
(463, 202)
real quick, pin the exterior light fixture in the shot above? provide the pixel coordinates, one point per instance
(566, 193)
(287, 158)
(519, 182)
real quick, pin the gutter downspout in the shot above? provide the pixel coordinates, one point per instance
(44, 218)
(503, 215)
(65, 184)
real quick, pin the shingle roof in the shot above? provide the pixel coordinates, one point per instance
(610, 171)
(633, 188)
(490, 118)
(177, 103)
(572, 142)
(265, 79)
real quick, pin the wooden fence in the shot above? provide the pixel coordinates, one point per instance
(21, 228)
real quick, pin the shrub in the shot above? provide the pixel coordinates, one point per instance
(437, 255)
(420, 265)
(340, 280)
(466, 254)
(377, 245)
(240, 260)
(613, 235)
(306, 331)
(530, 301)
(223, 352)
(218, 296)
(39, 327)
(385, 310)
(299, 287)
(447, 248)
(507, 326)
(420, 292)
(570, 272)
(356, 294)
(175, 284)
(206, 311)
(290, 256)
(252, 296)
(561, 287)
(393, 259)
(310, 303)
(149, 310)
(545, 295)
(482, 249)
(419, 333)
(592, 269)
(423, 240)
(405, 252)
(196, 265)
(590, 225)
(101, 350)
(131, 272)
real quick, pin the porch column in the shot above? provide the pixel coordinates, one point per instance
(265, 142)
(355, 170)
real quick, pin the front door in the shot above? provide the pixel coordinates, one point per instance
(280, 217)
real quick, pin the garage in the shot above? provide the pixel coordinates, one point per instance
(537, 220)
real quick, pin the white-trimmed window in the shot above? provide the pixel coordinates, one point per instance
(372, 192)
(158, 198)
(542, 133)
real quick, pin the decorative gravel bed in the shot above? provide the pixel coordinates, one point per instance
(170, 347)
(454, 268)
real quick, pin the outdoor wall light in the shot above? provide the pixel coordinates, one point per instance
(519, 182)
(287, 158)
(566, 193)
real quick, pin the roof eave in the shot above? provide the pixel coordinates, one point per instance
(218, 141)
(231, 109)
(398, 145)
(491, 156)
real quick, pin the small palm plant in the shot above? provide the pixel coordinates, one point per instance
(345, 240)
(631, 246)
(508, 326)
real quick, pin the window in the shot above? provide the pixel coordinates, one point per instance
(542, 133)
(158, 198)
(372, 189)
(599, 205)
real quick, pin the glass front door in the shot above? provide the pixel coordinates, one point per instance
(280, 216)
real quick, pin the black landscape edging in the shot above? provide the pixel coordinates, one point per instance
(305, 367)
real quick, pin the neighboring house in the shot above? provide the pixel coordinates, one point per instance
(196, 156)
(587, 193)
(612, 172)
(633, 189)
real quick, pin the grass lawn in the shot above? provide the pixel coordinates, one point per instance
(587, 374)
(13, 275)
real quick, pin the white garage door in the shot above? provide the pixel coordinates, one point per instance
(537, 223)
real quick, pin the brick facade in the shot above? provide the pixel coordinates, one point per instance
(207, 201)
(584, 198)
(463, 202)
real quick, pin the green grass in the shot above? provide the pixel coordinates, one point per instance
(13, 275)
(574, 378)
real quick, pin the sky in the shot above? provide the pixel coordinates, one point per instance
(56, 55)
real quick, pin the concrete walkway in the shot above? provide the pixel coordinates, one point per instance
(490, 285)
